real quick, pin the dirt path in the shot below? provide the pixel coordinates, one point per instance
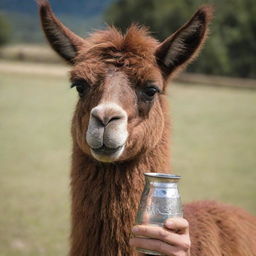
(62, 70)
(14, 67)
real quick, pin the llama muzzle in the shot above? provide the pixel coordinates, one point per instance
(107, 132)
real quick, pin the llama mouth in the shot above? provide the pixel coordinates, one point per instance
(107, 155)
(106, 151)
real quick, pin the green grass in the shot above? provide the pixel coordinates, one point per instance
(35, 152)
(213, 148)
(214, 143)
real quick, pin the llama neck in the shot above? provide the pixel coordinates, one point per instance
(105, 198)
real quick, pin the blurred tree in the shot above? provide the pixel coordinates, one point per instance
(4, 30)
(231, 48)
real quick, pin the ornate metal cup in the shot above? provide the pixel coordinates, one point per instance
(160, 200)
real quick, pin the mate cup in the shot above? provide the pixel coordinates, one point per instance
(160, 200)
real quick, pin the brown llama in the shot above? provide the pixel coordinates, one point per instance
(120, 130)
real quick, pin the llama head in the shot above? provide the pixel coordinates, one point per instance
(121, 81)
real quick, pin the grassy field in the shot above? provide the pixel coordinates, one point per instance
(213, 148)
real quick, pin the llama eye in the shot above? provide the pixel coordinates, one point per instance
(81, 87)
(149, 92)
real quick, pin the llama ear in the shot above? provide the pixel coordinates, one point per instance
(62, 40)
(184, 45)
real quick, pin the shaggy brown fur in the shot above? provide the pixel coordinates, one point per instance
(105, 196)
(220, 230)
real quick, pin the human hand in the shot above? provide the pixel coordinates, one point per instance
(171, 240)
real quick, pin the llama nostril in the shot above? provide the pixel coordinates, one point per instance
(107, 119)
(106, 116)
(114, 118)
(98, 118)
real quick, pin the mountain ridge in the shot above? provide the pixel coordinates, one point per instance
(79, 15)
(79, 8)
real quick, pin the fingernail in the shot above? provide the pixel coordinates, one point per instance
(168, 223)
(131, 241)
(135, 229)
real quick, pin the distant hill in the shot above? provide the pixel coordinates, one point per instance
(80, 15)
(80, 8)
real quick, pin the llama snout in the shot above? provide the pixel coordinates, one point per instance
(107, 132)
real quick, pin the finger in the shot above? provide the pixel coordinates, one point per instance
(177, 223)
(162, 234)
(154, 245)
